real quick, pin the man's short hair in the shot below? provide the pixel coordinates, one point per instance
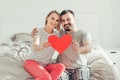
(67, 11)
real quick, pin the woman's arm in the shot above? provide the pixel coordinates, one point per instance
(37, 46)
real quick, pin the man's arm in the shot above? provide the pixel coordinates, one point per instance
(34, 32)
(86, 47)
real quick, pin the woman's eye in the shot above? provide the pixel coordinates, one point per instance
(57, 20)
(52, 18)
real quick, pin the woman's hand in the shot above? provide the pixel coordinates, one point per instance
(41, 46)
(45, 45)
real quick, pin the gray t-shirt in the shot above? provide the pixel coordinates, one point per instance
(71, 59)
(44, 56)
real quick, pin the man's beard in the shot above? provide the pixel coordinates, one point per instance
(67, 29)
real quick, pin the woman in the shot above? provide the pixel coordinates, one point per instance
(40, 63)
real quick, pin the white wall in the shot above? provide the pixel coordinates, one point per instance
(99, 17)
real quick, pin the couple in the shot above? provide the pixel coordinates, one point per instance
(72, 59)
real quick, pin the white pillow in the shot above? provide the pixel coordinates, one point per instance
(25, 37)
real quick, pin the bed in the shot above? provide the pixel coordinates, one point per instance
(101, 66)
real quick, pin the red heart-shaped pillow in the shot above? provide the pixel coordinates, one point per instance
(60, 44)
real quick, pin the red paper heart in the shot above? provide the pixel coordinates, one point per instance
(60, 44)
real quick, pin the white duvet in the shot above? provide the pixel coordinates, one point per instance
(11, 61)
(101, 66)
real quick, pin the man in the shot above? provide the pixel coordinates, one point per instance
(74, 56)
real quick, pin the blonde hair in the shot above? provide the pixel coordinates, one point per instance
(53, 11)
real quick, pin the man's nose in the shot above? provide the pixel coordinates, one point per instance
(66, 22)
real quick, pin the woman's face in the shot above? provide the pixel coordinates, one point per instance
(53, 20)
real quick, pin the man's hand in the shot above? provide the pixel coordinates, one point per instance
(86, 48)
(75, 46)
(34, 32)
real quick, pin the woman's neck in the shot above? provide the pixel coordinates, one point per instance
(48, 29)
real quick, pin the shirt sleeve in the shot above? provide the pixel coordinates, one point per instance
(86, 36)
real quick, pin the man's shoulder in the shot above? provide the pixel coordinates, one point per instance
(80, 31)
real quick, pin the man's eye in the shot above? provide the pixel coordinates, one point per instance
(68, 19)
(63, 21)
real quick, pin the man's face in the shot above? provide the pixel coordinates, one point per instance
(67, 21)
